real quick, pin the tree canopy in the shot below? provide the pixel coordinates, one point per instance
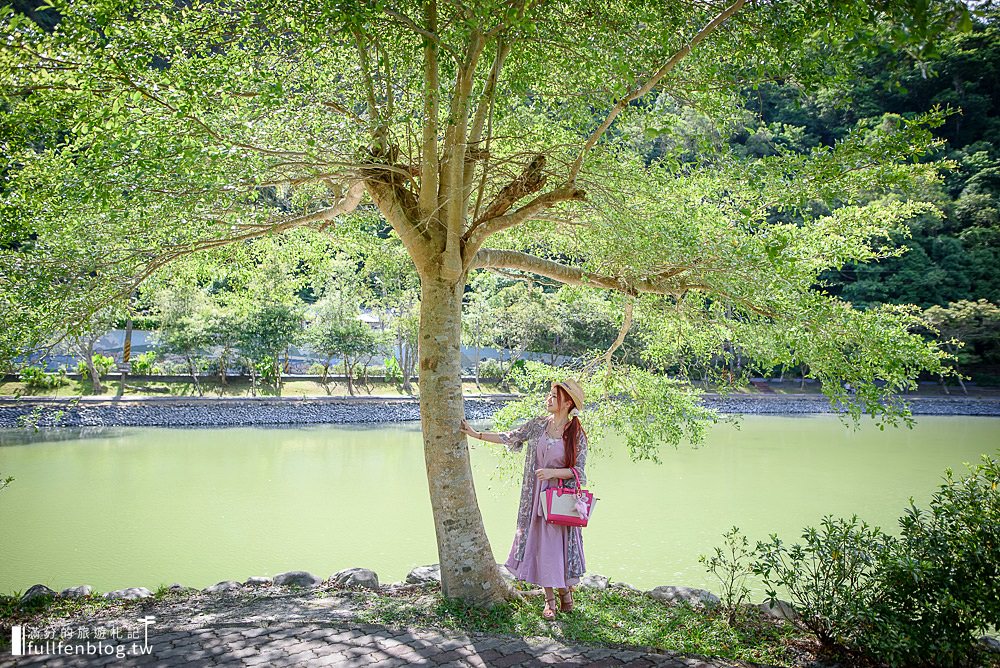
(488, 135)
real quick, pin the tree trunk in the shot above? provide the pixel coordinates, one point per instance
(477, 369)
(223, 363)
(468, 569)
(347, 374)
(404, 362)
(95, 375)
(194, 376)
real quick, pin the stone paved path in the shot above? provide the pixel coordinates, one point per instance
(351, 644)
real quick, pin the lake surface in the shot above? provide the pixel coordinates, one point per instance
(147, 507)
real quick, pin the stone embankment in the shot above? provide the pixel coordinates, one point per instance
(229, 411)
(223, 412)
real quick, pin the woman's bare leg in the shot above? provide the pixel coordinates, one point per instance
(549, 611)
(566, 599)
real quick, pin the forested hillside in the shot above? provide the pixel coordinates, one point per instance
(952, 265)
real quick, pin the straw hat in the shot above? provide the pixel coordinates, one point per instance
(575, 391)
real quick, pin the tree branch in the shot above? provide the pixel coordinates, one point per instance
(622, 333)
(400, 209)
(428, 195)
(660, 284)
(212, 133)
(492, 258)
(648, 86)
(485, 108)
(349, 202)
(367, 79)
(429, 34)
(481, 230)
(451, 194)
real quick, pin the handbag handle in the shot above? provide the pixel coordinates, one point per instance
(576, 476)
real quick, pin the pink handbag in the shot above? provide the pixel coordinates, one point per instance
(566, 506)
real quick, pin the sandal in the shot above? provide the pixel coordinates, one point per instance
(564, 604)
(549, 612)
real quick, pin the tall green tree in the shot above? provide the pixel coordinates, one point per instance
(185, 316)
(488, 136)
(335, 330)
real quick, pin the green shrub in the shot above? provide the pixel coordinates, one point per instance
(921, 599)
(145, 364)
(268, 369)
(490, 368)
(393, 372)
(829, 577)
(102, 363)
(37, 379)
(941, 582)
(317, 369)
(732, 564)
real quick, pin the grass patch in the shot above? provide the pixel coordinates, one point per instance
(611, 618)
(46, 610)
(234, 388)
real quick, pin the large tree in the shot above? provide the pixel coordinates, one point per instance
(489, 135)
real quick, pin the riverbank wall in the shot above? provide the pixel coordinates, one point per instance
(228, 411)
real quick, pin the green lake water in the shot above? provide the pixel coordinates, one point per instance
(148, 507)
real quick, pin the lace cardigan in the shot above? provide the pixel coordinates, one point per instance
(514, 441)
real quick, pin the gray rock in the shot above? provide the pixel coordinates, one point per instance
(690, 595)
(623, 585)
(178, 587)
(37, 591)
(298, 578)
(225, 585)
(780, 610)
(129, 594)
(423, 575)
(76, 592)
(356, 577)
(594, 581)
(990, 644)
(258, 580)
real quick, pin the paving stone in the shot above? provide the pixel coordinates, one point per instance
(512, 659)
(316, 645)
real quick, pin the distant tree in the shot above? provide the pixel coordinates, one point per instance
(264, 331)
(185, 312)
(403, 326)
(82, 338)
(522, 314)
(223, 330)
(481, 323)
(335, 330)
(969, 329)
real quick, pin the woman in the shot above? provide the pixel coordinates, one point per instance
(547, 555)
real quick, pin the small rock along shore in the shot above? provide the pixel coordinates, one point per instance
(246, 411)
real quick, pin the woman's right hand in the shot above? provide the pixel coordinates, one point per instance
(466, 429)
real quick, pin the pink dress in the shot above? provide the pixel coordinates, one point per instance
(546, 547)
